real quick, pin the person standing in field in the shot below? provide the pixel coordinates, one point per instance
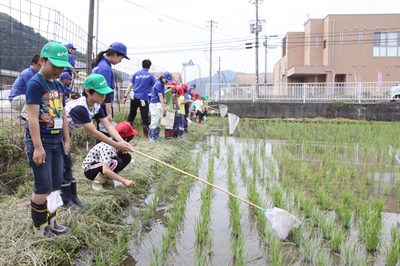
(142, 82)
(47, 137)
(157, 105)
(170, 105)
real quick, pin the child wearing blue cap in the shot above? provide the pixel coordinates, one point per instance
(47, 136)
(102, 65)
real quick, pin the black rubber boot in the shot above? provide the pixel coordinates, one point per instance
(74, 197)
(66, 196)
(54, 226)
(146, 131)
(39, 217)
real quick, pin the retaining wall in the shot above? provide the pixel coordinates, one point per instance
(382, 111)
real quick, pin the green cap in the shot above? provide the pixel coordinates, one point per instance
(57, 54)
(98, 83)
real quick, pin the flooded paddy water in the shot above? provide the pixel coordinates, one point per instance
(345, 194)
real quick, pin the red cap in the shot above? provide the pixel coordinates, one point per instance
(172, 83)
(180, 90)
(196, 95)
(126, 130)
(185, 87)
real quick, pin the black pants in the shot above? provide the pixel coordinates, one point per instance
(118, 164)
(144, 112)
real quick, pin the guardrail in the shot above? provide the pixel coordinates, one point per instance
(303, 92)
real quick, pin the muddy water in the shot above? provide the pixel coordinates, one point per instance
(220, 230)
(220, 227)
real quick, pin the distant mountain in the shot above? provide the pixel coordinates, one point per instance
(227, 76)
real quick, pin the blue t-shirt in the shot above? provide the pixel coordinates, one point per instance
(71, 60)
(50, 96)
(18, 87)
(143, 82)
(104, 68)
(158, 87)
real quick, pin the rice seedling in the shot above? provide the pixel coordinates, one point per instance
(392, 249)
(327, 226)
(323, 258)
(307, 249)
(337, 238)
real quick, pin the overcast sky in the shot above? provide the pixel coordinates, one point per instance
(170, 32)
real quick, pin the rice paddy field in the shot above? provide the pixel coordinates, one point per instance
(340, 178)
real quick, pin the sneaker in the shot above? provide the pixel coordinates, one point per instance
(20, 117)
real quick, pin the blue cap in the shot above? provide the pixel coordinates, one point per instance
(120, 48)
(167, 76)
(65, 75)
(70, 45)
(194, 85)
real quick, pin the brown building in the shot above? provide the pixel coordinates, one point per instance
(342, 48)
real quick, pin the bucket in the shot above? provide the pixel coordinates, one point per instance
(165, 121)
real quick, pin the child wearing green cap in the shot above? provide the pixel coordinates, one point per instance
(80, 113)
(47, 137)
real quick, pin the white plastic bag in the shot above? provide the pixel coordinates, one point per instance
(282, 221)
(54, 201)
(233, 122)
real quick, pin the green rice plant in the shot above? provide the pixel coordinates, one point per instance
(386, 189)
(337, 238)
(370, 226)
(392, 249)
(344, 213)
(307, 249)
(276, 192)
(323, 258)
(154, 256)
(324, 198)
(275, 249)
(327, 226)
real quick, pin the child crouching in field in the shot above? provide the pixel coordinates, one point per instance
(104, 161)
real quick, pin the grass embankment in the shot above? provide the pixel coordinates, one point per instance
(101, 235)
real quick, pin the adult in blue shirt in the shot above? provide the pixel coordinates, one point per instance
(157, 105)
(71, 60)
(65, 79)
(17, 94)
(102, 65)
(142, 82)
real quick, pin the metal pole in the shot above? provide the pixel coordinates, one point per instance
(257, 28)
(266, 52)
(210, 74)
(97, 27)
(90, 39)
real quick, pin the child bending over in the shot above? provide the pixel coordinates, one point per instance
(104, 161)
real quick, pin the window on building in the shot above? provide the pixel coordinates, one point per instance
(386, 44)
(324, 43)
(341, 38)
(284, 46)
(360, 37)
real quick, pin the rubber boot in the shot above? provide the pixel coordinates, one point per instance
(151, 134)
(176, 132)
(98, 182)
(66, 196)
(74, 197)
(146, 131)
(157, 133)
(169, 134)
(39, 217)
(54, 226)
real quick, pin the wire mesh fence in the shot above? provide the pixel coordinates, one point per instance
(25, 26)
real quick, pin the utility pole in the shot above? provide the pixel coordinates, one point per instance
(211, 28)
(90, 39)
(256, 31)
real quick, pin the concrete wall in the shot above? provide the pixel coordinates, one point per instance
(383, 111)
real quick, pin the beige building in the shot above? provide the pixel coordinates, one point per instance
(342, 48)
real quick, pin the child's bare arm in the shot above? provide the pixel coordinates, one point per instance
(110, 174)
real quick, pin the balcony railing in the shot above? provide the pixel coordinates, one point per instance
(303, 92)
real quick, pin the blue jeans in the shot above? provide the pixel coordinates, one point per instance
(48, 176)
